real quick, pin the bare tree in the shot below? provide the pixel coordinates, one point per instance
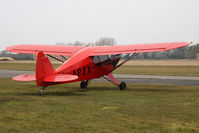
(60, 43)
(105, 41)
(78, 43)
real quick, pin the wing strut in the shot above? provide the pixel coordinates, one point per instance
(64, 57)
(55, 58)
(129, 58)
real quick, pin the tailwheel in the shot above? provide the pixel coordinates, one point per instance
(122, 85)
(40, 93)
(83, 84)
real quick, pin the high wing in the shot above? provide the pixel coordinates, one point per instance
(47, 49)
(97, 50)
(139, 48)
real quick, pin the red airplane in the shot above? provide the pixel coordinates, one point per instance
(85, 63)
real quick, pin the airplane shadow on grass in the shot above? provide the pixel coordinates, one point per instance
(53, 93)
(101, 89)
(64, 92)
(76, 91)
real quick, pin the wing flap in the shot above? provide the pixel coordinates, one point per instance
(139, 48)
(47, 49)
(60, 78)
(25, 77)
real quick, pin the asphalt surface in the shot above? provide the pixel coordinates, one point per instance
(144, 79)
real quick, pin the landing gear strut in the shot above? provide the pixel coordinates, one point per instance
(40, 93)
(112, 79)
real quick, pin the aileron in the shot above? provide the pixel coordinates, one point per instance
(47, 49)
(139, 48)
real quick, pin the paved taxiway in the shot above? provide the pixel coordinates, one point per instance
(145, 79)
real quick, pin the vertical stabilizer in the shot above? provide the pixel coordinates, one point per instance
(43, 68)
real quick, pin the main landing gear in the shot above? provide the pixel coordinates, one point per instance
(84, 84)
(112, 79)
(122, 85)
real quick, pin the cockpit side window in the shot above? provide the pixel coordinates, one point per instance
(96, 59)
(100, 59)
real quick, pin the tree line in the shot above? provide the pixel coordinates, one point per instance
(19, 56)
(188, 52)
(103, 41)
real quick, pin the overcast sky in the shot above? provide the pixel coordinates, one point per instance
(128, 21)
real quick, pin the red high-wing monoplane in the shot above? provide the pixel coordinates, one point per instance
(85, 63)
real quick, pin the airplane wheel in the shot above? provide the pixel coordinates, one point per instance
(83, 85)
(122, 86)
(40, 93)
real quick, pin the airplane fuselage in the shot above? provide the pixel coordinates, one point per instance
(88, 67)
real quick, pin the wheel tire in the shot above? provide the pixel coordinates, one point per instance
(122, 86)
(40, 93)
(83, 85)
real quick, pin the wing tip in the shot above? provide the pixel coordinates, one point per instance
(9, 48)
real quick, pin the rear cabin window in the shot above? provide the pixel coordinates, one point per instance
(103, 58)
(114, 56)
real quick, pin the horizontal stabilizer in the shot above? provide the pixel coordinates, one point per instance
(25, 77)
(60, 78)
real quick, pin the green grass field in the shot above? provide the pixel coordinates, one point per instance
(140, 70)
(102, 108)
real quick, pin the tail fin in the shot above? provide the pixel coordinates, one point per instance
(43, 68)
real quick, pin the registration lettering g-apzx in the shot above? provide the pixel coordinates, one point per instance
(82, 71)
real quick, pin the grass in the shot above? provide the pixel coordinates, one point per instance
(138, 70)
(102, 108)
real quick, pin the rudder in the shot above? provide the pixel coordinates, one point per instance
(43, 68)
